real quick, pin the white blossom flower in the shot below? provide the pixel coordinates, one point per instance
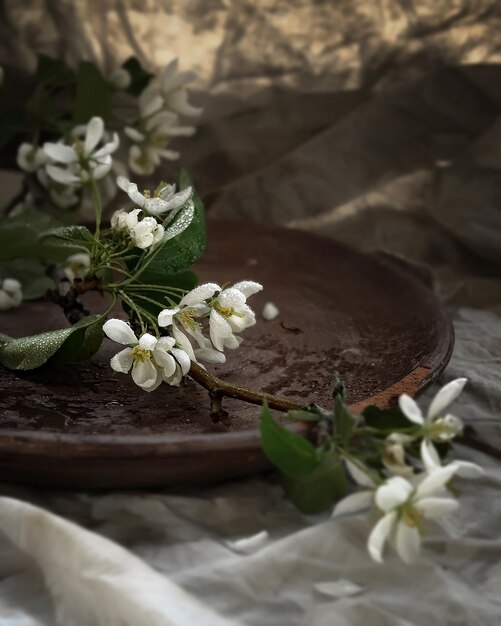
(163, 199)
(394, 454)
(173, 89)
(83, 159)
(231, 314)
(30, 157)
(143, 233)
(187, 315)
(152, 360)
(11, 294)
(405, 507)
(77, 265)
(437, 426)
(120, 78)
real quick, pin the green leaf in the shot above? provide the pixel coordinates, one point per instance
(184, 243)
(185, 179)
(140, 78)
(319, 489)
(53, 71)
(83, 343)
(28, 353)
(66, 237)
(31, 274)
(19, 235)
(339, 388)
(73, 233)
(385, 418)
(292, 454)
(93, 94)
(344, 421)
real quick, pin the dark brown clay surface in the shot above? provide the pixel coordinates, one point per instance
(86, 426)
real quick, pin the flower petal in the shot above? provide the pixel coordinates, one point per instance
(165, 316)
(407, 543)
(210, 355)
(429, 456)
(147, 341)
(379, 535)
(410, 409)
(393, 493)
(165, 360)
(465, 469)
(433, 508)
(446, 396)
(60, 152)
(354, 503)
(93, 134)
(231, 298)
(183, 359)
(133, 134)
(199, 294)
(60, 175)
(183, 342)
(359, 476)
(248, 287)
(144, 374)
(108, 148)
(120, 331)
(434, 483)
(122, 362)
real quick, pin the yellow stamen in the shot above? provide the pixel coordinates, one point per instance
(140, 354)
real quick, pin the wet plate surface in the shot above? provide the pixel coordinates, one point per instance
(86, 426)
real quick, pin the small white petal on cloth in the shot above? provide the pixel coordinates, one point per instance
(410, 409)
(122, 362)
(354, 503)
(341, 588)
(120, 331)
(248, 545)
(270, 311)
(199, 294)
(393, 493)
(380, 534)
(446, 396)
(407, 543)
(93, 134)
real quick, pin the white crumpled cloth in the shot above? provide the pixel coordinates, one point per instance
(183, 537)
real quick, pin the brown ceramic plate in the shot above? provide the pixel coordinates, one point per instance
(86, 426)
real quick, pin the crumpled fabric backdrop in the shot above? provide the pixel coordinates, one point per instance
(375, 123)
